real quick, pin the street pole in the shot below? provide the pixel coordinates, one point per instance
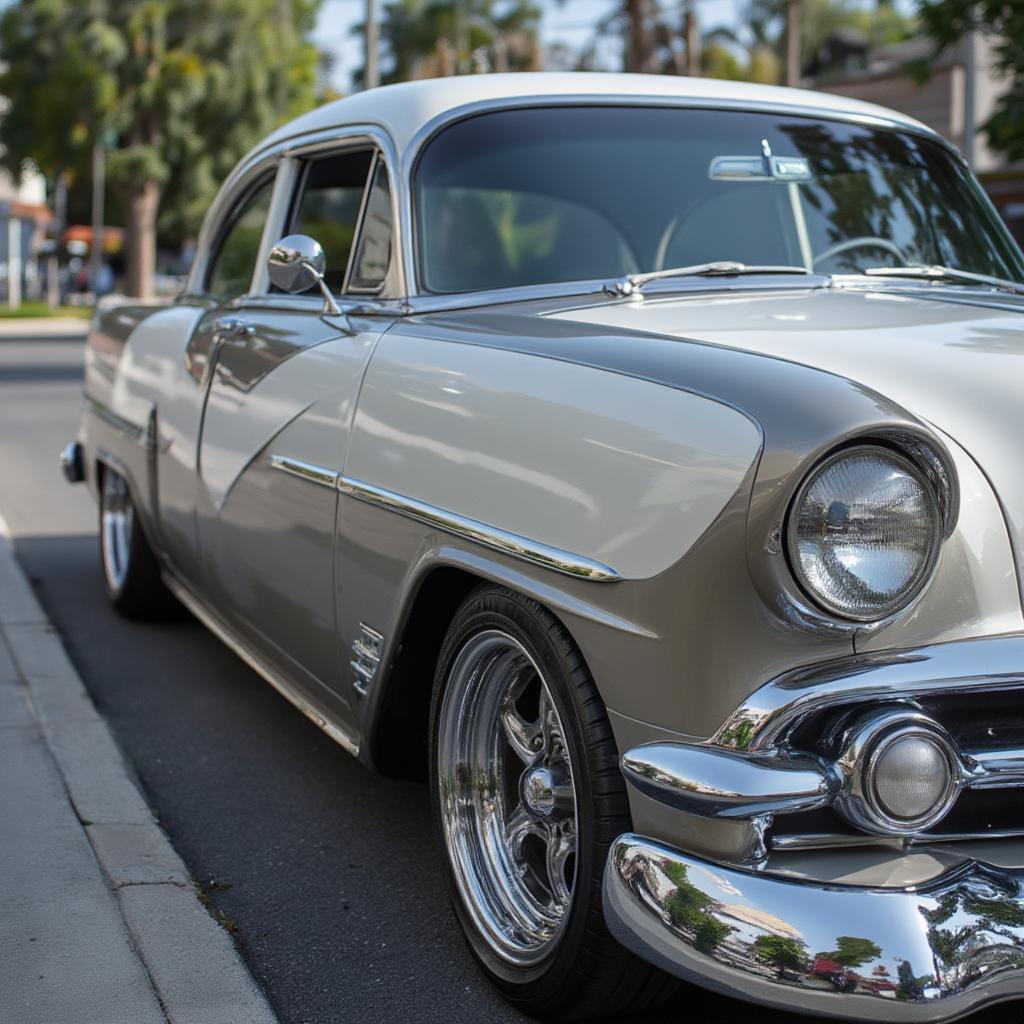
(13, 262)
(99, 173)
(692, 40)
(371, 74)
(970, 93)
(792, 42)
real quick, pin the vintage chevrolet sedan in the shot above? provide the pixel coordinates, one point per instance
(638, 461)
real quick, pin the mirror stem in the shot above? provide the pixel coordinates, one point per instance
(330, 305)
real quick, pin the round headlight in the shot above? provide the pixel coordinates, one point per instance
(864, 533)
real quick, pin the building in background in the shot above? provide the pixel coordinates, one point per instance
(24, 217)
(956, 99)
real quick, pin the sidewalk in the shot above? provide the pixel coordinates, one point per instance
(43, 327)
(99, 921)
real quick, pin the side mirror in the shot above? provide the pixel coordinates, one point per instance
(296, 264)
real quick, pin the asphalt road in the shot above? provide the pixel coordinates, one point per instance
(327, 875)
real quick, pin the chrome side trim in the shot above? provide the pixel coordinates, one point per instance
(132, 431)
(717, 783)
(480, 533)
(976, 666)
(788, 841)
(367, 649)
(996, 769)
(196, 606)
(305, 470)
(929, 955)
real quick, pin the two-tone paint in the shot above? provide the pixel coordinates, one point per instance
(323, 490)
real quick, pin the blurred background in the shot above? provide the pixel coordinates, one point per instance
(119, 118)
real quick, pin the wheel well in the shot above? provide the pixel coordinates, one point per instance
(399, 743)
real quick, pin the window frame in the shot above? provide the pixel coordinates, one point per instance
(303, 169)
(239, 205)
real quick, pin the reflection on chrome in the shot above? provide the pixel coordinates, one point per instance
(896, 955)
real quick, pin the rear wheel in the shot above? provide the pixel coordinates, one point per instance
(130, 569)
(528, 797)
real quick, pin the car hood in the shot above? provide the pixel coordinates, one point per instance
(956, 362)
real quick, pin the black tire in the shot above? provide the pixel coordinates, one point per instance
(131, 572)
(587, 974)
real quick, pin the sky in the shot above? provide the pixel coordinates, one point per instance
(568, 21)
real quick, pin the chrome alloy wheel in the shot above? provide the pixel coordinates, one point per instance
(508, 804)
(116, 522)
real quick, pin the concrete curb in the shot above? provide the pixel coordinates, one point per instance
(43, 327)
(191, 962)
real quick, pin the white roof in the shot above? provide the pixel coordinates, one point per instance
(405, 108)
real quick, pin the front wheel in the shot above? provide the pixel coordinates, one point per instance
(528, 797)
(130, 569)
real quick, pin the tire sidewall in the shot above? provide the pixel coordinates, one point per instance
(495, 609)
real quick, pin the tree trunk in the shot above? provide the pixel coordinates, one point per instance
(141, 249)
(637, 46)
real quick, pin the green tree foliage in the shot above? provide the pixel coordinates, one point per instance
(179, 88)
(426, 38)
(852, 951)
(762, 39)
(947, 21)
(692, 910)
(782, 952)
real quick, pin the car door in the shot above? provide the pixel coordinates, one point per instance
(281, 392)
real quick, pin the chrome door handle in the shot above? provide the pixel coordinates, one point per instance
(233, 327)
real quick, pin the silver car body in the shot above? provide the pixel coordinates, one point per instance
(325, 495)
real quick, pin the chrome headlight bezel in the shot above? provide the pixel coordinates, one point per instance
(923, 475)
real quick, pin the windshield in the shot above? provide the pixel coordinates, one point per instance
(537, 196)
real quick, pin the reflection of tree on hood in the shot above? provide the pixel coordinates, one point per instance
(851, 951)
(782, 952)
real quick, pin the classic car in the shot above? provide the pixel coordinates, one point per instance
(633, 459)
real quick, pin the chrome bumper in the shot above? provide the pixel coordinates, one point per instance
(930, 954)
(72, 463)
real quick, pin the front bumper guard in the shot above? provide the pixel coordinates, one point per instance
(926, 954)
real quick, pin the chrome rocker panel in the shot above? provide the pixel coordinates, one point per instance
(947, 948)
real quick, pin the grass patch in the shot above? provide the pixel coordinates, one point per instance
(36, 310)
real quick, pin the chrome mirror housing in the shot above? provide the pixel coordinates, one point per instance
(296, 264)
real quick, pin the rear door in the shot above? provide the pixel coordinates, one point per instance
(281, 393)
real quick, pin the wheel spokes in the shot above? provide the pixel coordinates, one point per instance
(561, 845)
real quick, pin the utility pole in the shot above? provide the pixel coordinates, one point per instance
(792, 42)
(692, 40)
(99, 175)
(970, 94)
(371, 73)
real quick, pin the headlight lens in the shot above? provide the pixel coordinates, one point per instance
(864, 533)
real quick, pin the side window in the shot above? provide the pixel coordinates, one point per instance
(231, 270)
(373, 251)
(328, 208)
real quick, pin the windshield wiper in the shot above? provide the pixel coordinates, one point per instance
(938, 273)
(633, 283)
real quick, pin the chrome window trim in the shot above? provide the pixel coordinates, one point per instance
(281, 153)
(305, 470)
(357, 235)
(401, 281)
(280, 203)
(413, 152)
(481, 533)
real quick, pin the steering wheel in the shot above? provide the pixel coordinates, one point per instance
(864, 242)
